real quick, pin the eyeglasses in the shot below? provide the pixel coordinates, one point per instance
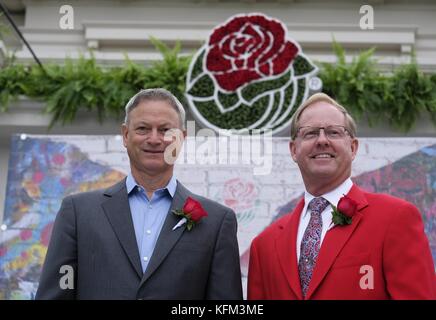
(331, 132)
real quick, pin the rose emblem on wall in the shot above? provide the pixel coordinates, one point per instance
(239, 194)
(249, 75)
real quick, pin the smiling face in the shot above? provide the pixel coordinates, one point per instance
(143, 136)
(324, 163)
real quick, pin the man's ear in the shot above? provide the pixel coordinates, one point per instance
(292, 149)
(124, 132)
(354, 148)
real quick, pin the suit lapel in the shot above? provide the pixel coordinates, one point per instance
(167, 237)
(286, 249)
(117, 210)
(334, 241)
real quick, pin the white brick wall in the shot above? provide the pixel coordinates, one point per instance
(256, 199)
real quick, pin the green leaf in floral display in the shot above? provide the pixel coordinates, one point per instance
(299, 90)
(197, 69)
(203, 87)
(288, 93)
(227, 100)
(253, 90)
(302, 66)
(240, 118)
(275, 106)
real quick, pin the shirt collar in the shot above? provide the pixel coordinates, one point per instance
(170, 187)
(332, 197)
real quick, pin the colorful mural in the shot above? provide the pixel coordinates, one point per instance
(44, 169)
(41, 173)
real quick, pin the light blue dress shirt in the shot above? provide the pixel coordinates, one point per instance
(148, 215)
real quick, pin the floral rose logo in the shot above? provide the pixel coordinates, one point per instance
(246, 49)
(239, 195)
(249, 75)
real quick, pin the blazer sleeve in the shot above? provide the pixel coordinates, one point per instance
(224, 281)
(407, 260)
(59, 273)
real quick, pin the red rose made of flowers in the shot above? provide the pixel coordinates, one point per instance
(192, 212)
(344, 212)
(248, 48)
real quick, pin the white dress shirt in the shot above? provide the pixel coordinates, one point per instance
(327, 223)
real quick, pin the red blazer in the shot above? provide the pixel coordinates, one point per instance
(386, 233)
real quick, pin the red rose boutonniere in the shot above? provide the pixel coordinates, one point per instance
(192, 213)
(344, 212)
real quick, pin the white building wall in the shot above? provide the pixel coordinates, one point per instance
(111, 27)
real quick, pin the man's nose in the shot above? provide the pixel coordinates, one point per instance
(154, 137)
(322, 137)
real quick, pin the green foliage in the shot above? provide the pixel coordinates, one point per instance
(301, 86)
(302, 66)
(121, 84)
(358, 86)
(410, 95)
(74, 86)
(12, 78)
(198, 66)
(169, 73)
(203, 87)
(83, 85)
(228, 100)
(251, 91)
(275, 106)
(239, 118)
(400, 98)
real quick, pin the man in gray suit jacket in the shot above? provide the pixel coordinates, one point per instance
(121, 243)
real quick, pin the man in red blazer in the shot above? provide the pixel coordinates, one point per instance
(373, 248)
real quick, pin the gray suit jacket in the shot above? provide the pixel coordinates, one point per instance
(93, 233)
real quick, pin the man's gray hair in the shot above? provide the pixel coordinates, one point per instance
(156, 94)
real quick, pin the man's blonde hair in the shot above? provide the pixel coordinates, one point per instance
(350, 124)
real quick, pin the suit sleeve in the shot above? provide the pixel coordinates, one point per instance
(225, 275)
(407, 260)
(59, 273)
(255, 287)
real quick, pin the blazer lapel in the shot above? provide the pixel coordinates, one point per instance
(167, 237)
(117, 210)
(334, 241)
(286, 244)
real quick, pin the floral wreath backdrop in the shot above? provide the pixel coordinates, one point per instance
(248, 75)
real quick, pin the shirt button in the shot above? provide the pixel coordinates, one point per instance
(149, 206)
(145, 258)
(148, 231)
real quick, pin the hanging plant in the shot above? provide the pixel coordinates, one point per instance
(85, 85)
(411, 95)
(370, 95)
